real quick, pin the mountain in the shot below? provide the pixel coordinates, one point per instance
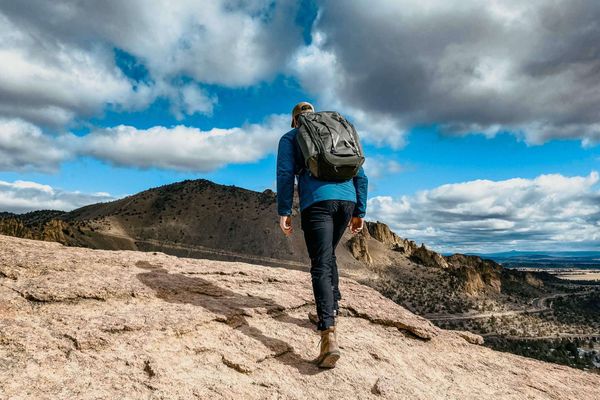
(81, 323)
(192, 217)
(516, 253)
(548, 260)
(202, 219)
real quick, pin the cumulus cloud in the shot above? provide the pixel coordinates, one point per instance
(57, 59)
(49, 82)
(548, 212)
(23, 147)
(184, 148)
(23, 196)
(320, 72)
(380, 167)
(191, 99)
(469, 66)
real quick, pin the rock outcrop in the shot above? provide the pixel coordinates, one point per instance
(420, 254)
(39, 225)
(477, 275)
(359, 248)
(382, 233)
(80, 323)
(429, 258)
(14, 227)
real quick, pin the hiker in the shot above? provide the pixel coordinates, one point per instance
(332, 195)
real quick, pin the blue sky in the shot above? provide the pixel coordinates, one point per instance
(473, 144)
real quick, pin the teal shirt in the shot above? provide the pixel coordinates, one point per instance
(310, 189)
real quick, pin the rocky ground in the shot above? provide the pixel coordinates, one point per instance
(81, 323)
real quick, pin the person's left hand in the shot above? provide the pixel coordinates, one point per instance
(285, 223)
(356, 224)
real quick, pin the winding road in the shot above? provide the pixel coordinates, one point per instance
(538, 304)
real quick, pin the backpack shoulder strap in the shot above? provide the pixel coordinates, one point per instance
(299, 167)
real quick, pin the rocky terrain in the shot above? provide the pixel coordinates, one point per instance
(82, 323)
(205, 220)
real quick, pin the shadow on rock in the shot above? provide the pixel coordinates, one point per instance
(179, 288)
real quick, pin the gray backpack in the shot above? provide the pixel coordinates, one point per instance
(329, 145)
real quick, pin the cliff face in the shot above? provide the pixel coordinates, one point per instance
(78, 323)
(14, 227)
(359, 248)
(382, 233)
(420, 254)
(477, 275)
(52, 230)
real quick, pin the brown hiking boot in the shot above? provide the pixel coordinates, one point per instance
(330, 351)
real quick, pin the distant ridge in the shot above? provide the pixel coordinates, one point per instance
(518, 253)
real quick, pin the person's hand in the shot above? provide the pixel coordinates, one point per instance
(285, 223)
(356, 224)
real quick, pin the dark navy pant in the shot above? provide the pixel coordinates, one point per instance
(324, 224)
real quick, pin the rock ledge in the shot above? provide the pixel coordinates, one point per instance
(79, 323)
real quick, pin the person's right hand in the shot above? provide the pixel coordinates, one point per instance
(285, 223)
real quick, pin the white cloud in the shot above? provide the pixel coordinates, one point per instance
(380, 167)
(23, 196)
(320, 72)
(24, 147)
(193, 100)
(184, 148)
(532, 68)
(529, 67)
(57, 59)
(550, 211)
(51, 83)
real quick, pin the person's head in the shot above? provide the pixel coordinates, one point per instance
(300, 108)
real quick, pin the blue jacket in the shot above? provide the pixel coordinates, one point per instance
(290, 164)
